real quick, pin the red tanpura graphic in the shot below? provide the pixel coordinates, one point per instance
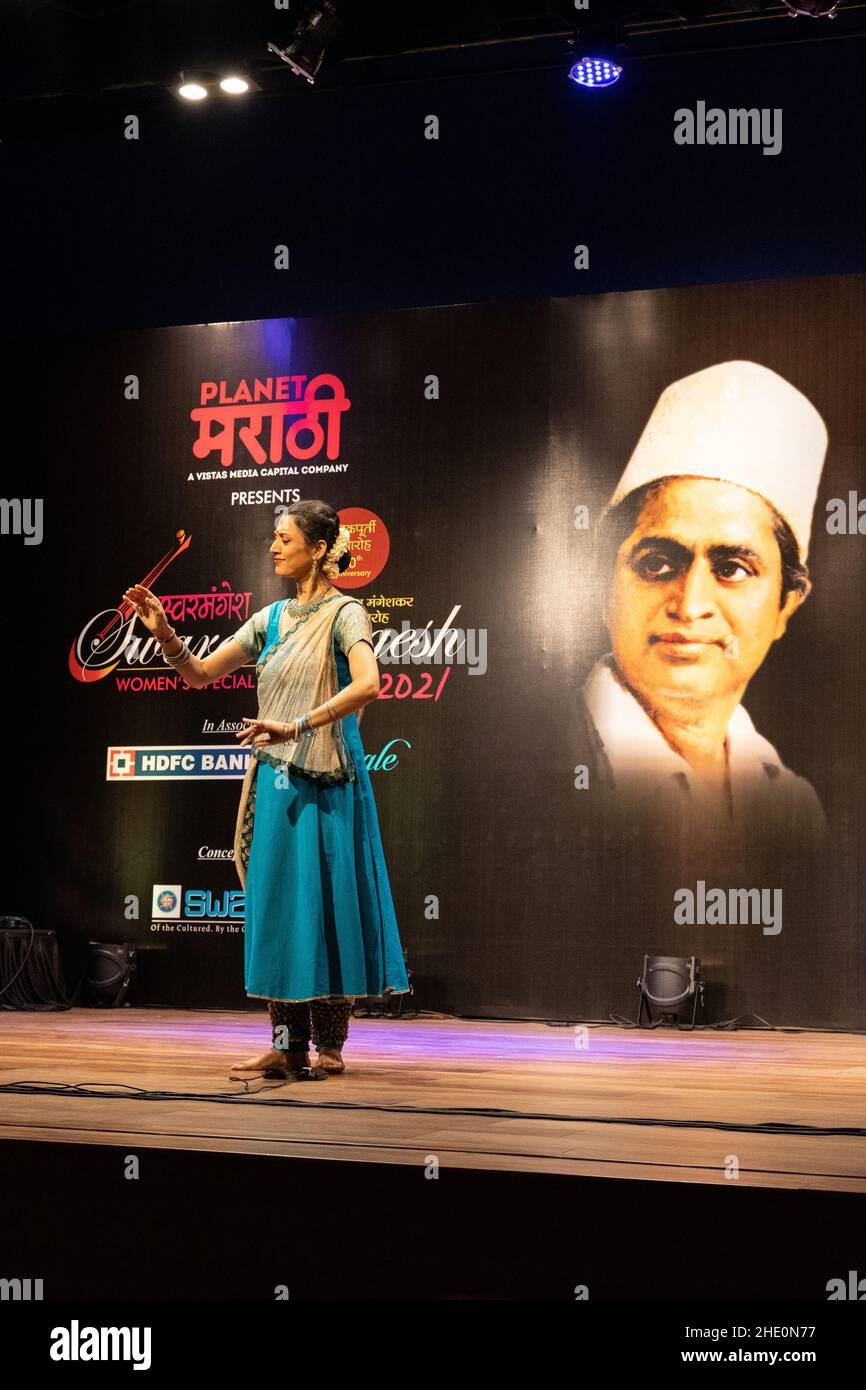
(122, 615)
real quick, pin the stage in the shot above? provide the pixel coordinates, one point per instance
(519, 1097)
(454, 1159)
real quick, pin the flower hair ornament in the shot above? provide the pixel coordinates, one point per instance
(341, 545)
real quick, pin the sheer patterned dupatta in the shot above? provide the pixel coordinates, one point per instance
(298, 672)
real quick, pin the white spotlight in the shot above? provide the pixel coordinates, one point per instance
(234, 85)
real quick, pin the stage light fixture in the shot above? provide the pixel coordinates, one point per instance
(670, 987)
(595, 72)
(191, 91)
(110, 968)
(198, 83)
(812, 9)
(311, 37)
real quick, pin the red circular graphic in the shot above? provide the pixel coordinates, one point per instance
(370, 547)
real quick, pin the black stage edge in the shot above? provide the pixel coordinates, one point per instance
(207, 1225)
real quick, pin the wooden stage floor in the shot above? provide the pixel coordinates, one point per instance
(481, 1095)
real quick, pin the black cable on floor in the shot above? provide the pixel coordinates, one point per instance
(119, 1090)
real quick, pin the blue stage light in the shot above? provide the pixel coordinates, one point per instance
(595, 72)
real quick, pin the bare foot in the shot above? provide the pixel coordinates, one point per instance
(331, 1059)
(274, 1060)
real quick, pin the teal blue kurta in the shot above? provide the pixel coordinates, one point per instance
(319, 916)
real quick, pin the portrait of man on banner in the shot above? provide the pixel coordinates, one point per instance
(702, 554)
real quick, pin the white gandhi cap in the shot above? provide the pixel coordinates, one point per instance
(739, 423)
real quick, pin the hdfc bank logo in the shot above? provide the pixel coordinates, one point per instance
(166, 900)
(194, 762)
(121, 763)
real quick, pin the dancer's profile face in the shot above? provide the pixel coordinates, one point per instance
(292, 555)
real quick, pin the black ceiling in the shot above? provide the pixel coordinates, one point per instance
(89, 48)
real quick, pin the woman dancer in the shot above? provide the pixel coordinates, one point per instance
(320, 926)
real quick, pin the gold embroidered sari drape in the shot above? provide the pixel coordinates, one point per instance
(297, 673)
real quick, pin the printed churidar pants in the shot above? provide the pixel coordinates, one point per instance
(293, 1023)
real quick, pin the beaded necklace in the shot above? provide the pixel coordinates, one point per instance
(295, 606)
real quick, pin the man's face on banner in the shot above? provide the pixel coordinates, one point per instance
(694, 604)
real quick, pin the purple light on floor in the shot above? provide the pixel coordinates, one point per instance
(475, 1043)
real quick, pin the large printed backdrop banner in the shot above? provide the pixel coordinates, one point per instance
(471, 450)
